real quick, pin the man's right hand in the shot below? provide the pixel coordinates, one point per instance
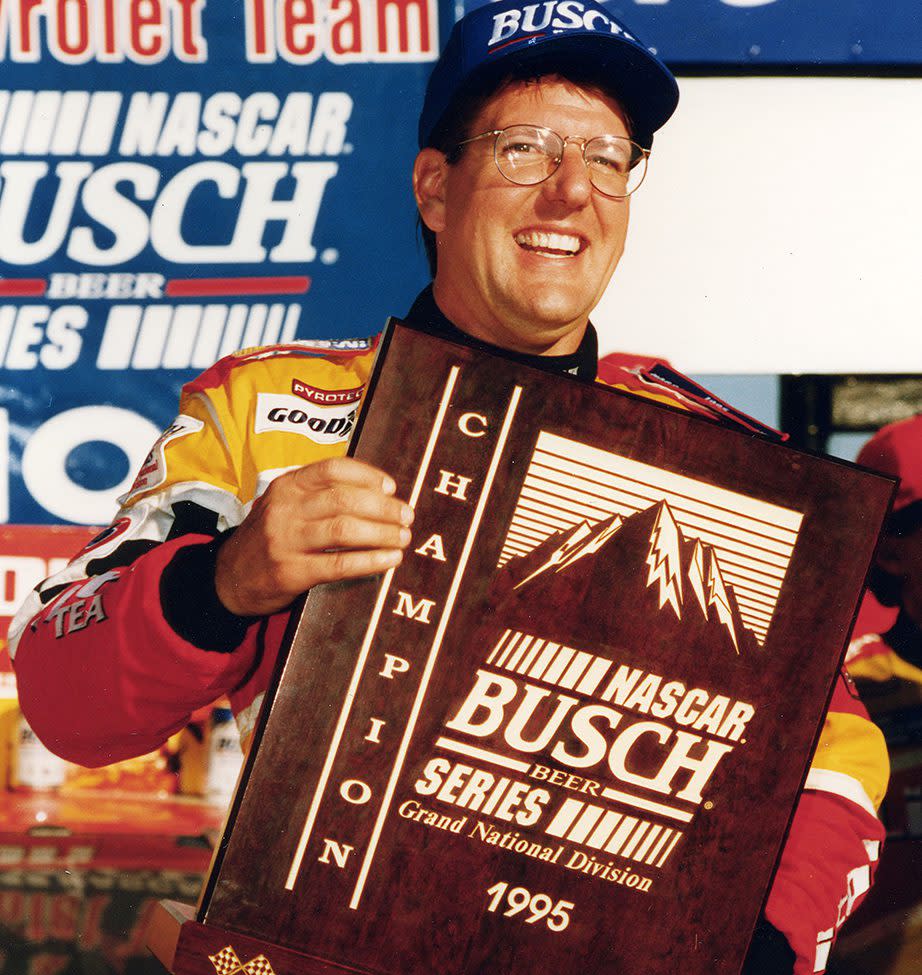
(336, 519)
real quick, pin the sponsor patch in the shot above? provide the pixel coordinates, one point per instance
(117, 528)
(153, 471)
(326, 397)
(278, 412)
(340, 345)
(75, 615)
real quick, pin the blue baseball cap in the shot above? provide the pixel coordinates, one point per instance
(549, 36)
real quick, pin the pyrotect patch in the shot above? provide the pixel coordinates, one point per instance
(326, 397)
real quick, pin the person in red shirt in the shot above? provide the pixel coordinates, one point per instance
(885, 655)
(889, 644)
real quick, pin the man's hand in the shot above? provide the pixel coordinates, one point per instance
(336, 519)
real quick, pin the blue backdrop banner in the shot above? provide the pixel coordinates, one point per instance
(180, 179)
(754, 33)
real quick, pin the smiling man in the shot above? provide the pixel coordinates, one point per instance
(523, 266)
(535, 131)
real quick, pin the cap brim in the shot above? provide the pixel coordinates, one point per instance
(643, 86)
(636, 80)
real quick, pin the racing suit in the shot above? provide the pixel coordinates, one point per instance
(886, 646)
(885, 659)
(116, 651)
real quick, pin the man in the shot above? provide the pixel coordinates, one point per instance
(885, 655)
(535, 130)
(890, 647)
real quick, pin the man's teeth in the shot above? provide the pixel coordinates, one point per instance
(552, 243)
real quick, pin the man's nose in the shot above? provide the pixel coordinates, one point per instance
(570, 183)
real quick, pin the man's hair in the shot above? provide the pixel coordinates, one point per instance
(887, 587)
(455, 125)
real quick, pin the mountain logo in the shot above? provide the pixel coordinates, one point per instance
(618, 537)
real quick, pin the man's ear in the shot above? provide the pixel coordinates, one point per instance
(429, 173)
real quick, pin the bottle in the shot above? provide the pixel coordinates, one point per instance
(225, 757)
(34, 767)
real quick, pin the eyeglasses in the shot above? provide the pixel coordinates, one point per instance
(530, 154)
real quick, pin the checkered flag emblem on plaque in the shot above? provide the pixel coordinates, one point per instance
(258, 966)
(226, 962)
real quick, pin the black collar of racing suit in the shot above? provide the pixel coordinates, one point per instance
(905, 637)
(583, 363)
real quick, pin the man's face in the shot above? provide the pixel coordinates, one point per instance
(523, 266)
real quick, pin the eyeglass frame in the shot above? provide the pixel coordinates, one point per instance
(566, 140)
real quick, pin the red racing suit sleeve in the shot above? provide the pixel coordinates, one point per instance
(115, 652)
(102, 673)
(834, 843)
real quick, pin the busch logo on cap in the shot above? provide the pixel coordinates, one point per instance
(550, 36)
(553, 15)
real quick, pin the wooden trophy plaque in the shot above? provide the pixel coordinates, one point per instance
(568, 732)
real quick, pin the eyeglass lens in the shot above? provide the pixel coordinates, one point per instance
(528, 154)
